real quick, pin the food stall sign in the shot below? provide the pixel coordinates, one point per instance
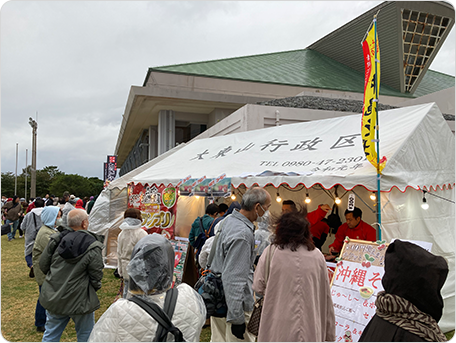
(158, 206)
(354, 287)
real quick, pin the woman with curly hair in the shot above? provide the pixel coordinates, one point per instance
(297, 298)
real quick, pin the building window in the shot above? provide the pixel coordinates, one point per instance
(187, 131)
(421, 33)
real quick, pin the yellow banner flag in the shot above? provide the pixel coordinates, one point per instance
(371, 81)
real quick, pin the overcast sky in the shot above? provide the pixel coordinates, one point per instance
(73, 62)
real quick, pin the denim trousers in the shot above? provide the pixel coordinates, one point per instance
(13, 228)
(28, 259)
(40, 313)
(55, 324)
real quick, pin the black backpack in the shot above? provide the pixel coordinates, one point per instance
(162, 317)
(333, 219)
(202, 237)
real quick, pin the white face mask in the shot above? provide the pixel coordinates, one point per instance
(264, 217)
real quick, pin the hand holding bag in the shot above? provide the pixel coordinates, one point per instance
(210, 287)
(254, 322)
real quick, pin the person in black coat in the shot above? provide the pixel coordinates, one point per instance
(411, 305)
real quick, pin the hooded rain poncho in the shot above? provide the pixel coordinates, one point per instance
(151, 269)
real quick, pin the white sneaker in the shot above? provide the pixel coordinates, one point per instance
(20, 236)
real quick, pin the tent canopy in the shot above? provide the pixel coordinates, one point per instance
(417, 142)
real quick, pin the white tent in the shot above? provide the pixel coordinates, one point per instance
(417, 142)
(108, 210)
(113, 199)
(418, 145)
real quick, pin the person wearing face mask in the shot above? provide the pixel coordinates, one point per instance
(49, 217)
(234, 257)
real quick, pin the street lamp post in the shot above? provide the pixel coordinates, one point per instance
(34, 126)
(26, 161)
(15, 177)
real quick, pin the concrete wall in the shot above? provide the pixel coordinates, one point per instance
(253, 117)
(445, 99)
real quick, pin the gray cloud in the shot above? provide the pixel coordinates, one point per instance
(75, 61)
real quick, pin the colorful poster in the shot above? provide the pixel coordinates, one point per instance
(111, 168)
(158, 206)
(217, 187)
(180, 253)
(356, 282)
(371, 89)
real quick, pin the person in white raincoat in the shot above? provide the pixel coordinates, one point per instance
(130, 235)
(151, 275)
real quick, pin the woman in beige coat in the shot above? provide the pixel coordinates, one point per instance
(297, 305)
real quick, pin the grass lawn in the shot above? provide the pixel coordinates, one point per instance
(19, 294)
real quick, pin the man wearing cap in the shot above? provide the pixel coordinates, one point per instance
(73, 265)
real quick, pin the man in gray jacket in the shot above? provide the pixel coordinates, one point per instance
(30, 225)
(72, 279)
(234, 257)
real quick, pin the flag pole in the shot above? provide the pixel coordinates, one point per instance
(377, 85)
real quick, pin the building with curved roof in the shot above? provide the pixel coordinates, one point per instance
(177, 103)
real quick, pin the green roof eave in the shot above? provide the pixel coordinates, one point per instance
(389, 92)
(434, 81)
(300, 68)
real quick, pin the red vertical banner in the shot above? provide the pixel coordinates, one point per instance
(158, 205)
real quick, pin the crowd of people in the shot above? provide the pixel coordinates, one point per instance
(279, 259)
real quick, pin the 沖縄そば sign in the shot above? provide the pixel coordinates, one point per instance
(356, 282)
(158, 204)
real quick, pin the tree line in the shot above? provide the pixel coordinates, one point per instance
(50, 180)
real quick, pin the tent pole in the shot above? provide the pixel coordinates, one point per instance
(377, 85)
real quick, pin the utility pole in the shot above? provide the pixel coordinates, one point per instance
(34, 126)
(26, 161)
(15, 177)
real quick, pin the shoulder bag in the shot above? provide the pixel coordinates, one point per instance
(254, 322)
(162, 317)
(210, 286)
(333, 219)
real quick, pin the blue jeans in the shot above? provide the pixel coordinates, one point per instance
(55, 324)
(13, 228)
(28, 259)
(40, 313)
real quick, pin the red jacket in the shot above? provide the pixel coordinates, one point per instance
(363, 231)
(317, 226)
